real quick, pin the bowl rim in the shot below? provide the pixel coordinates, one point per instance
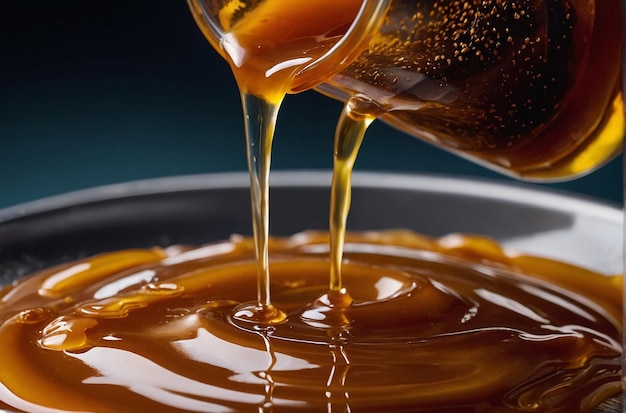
(521, 193)
(474, 187)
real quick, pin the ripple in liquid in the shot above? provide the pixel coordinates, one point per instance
(428, 326)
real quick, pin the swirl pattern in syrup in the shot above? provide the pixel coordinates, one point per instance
(436, 325)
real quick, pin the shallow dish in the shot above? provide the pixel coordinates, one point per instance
(205, 208)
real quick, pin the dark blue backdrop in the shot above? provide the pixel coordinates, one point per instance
(101, 92)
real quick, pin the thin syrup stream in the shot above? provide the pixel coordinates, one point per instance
(260, 117)
(330, 351)
(266, 52)
(260, 121)
(357, 114)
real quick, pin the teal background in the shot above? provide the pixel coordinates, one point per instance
(101, 92)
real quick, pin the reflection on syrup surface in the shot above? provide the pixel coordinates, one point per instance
(446, 325)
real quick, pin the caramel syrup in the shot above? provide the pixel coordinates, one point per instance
(267, 53)
(407, 323)
(530, 88)
(434, 325)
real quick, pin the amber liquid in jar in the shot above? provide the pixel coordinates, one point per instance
(406, 323)
(264, 47)
(530, 88)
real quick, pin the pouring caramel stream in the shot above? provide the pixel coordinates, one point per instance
(406, 323)
(266, 52)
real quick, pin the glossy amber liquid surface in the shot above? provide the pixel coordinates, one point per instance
(449, 325)
(436, 325)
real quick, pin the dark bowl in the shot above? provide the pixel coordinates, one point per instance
(205, 208)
